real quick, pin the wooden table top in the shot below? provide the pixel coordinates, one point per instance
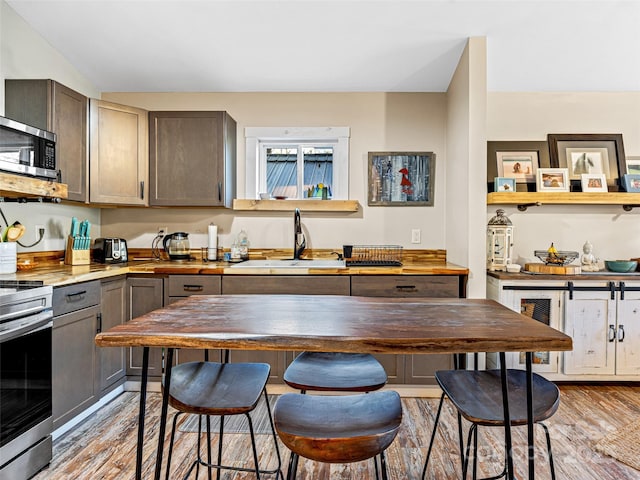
(336, 323)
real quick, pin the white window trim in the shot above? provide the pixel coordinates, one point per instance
(255, 136)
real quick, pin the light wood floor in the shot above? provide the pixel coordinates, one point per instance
(103, 447)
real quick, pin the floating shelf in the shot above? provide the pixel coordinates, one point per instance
(527, 199)
(17, 186)
(290, 205)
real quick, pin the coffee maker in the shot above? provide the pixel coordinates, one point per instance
(177, 246)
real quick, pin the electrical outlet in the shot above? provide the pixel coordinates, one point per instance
(415, 235)
(162, 230)
(38, 228)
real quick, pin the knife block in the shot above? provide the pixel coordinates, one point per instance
(76, 257)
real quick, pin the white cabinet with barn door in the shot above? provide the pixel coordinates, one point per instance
(604, 322)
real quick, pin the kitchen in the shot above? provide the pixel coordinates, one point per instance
(378, 122)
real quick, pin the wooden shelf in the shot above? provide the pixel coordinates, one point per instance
(16, 186)
(527, 199)
(290, 205)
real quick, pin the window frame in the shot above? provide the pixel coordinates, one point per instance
(257, 137)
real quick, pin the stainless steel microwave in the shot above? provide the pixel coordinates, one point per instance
(27, 150)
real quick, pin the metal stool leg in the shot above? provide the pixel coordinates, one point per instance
(433, 436)
(273, 434)
(173, 436)
(220, 436)
(383, 466)
(551, 466)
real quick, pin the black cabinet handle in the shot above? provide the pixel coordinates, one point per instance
(407, 288)
(612, 333)
(193, 288)
(99, 318)
(73, 297)
(219, 191)
(142, 190)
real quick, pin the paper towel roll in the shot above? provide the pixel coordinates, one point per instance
(212, 245)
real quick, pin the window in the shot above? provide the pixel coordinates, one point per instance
(295, 162)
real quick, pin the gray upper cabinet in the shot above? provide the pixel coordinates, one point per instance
(49, 105)
(119, 155)
(192, 159)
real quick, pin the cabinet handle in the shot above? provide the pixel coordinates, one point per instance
(142, 190)
(193, 288)
(219, 191)
(620, 333)
(99, 317)
(407, 288)
(612, 333)
(76, 296)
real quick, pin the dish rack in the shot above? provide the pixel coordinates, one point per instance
(375, 256)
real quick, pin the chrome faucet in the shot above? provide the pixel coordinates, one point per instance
(299, 242)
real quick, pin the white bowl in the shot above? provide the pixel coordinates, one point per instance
(513, 268)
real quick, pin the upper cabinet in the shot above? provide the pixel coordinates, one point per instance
(51, 106)
(192, 159)
(118, 154)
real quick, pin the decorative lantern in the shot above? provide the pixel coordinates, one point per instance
(499, 241)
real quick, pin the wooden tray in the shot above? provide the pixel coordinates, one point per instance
(553, 269)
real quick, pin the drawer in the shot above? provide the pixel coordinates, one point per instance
(75, 297)
(405, 286)
(187, 285)
(286, 285)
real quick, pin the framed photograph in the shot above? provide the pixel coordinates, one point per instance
(517, 159)
(594, 182)
(632, 182)
(553, 180)
(589, 153)
(633, 165)
(504, 184)
(401, 178)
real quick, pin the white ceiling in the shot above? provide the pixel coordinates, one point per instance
(341, 46)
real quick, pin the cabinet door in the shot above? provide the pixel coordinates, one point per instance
(52, 106)
(112, 312)
(143, 295)
(628, 334)
(590, 320)
(192, 158)
(74, 363)
(543, 306)
(118, 146)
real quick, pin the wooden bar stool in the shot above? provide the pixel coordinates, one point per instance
(220, 389)
(336, 372)
(338, 429)
(477, 396)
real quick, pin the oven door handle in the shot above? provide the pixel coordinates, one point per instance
(21, 327)
(23, 313)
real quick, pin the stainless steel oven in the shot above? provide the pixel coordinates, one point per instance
(25, 378)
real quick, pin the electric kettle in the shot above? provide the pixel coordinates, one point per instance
(177, 246)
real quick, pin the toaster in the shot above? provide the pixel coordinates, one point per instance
(110, 250)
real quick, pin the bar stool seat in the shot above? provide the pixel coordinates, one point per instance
(338, 429)
(220, 389)
(333, 371)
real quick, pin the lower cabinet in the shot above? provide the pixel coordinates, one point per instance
(410, 369)
(76, 310)
(111, 360)
(144, 294)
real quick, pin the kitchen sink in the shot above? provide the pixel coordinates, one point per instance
(312, 263)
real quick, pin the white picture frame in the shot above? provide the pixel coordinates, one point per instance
(594, 182)
(552, 180)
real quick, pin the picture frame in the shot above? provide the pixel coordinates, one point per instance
(594, 182)
(521, 166)
(401, 178)
(632, 165)
(589, 153)
(499, 152)
(504, 184)
(553, 180)
(632, 182)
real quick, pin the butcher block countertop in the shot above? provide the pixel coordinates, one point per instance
(53, 272)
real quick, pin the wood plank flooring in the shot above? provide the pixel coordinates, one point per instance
(103, 447)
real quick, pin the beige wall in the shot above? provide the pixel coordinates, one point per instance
(613, 232)
(465, 198)
(378, 122)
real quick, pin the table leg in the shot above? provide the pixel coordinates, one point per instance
(530, 436)
(163, 414)
(141, 412)
(507, 418)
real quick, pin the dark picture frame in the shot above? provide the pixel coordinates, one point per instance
(498, 151)
(401, 178)
(589, 153)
